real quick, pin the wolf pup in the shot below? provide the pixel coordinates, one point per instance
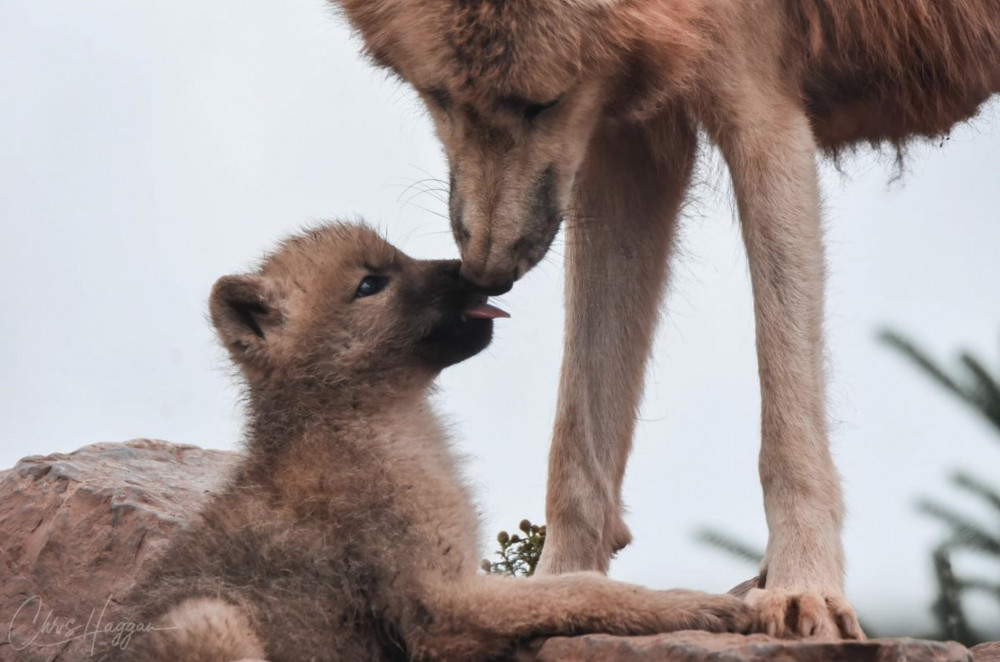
(591, 109)
(346, 533)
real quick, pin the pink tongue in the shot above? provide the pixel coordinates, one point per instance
(484, 311)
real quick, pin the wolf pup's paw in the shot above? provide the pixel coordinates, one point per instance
(713, 613)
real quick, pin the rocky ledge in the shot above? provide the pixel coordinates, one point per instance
(707, 647)
(78, 528)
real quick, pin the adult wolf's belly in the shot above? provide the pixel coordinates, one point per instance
(895, 69)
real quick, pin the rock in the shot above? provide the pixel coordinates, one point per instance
(987, 652)
(78, 527)
(706, 647)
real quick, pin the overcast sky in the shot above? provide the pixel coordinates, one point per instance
(147, 148)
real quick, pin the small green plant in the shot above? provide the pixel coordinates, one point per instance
(974, 385)
(518, 555)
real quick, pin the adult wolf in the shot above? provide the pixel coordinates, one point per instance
(591, 109)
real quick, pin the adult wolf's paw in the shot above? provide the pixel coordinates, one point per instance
(789, 614)
(714, 613)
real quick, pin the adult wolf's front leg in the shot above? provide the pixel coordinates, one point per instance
(769, 148)
(618, 238)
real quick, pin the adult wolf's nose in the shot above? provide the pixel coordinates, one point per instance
(487, 283)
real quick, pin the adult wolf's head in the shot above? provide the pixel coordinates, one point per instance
(515, 88)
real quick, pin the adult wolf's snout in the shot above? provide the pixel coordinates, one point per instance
(503, 240)
(488, 284)
(489, 262)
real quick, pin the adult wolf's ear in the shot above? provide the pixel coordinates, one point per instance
(245, 314)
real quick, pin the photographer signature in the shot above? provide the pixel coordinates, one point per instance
(48, 629)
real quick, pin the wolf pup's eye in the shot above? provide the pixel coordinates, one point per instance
(533, 110)
(370, 285)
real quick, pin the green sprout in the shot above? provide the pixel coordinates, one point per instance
(518, 555)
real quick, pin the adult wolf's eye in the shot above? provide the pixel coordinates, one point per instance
(370, 285)
(533, 110)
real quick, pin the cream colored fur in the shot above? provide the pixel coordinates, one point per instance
(346, 534)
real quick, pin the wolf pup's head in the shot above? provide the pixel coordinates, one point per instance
(515, 88)
(339, 304)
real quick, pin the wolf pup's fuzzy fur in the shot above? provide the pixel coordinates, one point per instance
(346, 533)
(591, 109)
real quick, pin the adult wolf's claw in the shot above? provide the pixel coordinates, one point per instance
(790, 614)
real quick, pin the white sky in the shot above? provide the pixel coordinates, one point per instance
(148, 148)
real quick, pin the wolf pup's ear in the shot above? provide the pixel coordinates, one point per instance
(244, 314)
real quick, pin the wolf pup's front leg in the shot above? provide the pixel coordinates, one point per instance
(486, 618)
